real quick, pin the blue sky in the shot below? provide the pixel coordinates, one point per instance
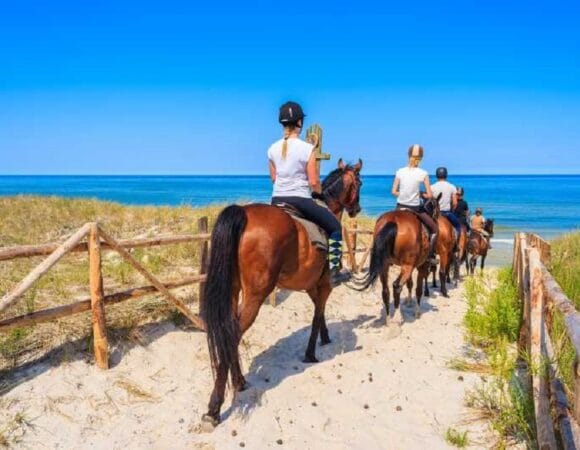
(177, 88)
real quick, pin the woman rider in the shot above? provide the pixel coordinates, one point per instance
(406, 188)
(293, 172)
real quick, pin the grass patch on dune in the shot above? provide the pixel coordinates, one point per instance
(492, 323)
(565, 265)
(37, 220)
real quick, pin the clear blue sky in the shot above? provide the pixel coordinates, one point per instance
(128, 87)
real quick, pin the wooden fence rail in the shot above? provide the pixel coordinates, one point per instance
(96, 241)
(540, 295)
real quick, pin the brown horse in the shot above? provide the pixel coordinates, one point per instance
(478, 246)
(461, 254)
(446, 250)
(401, 239)
(255, 248)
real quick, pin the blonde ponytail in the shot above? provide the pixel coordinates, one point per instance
(288, 129)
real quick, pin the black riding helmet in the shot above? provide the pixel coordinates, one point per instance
(441, 172)
(290, 113)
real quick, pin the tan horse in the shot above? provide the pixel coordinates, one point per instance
(400, 239)
(255, 248)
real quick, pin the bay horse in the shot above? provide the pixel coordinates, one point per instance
(478, 246)
(445, 248)
(401, 239)
(255, 248)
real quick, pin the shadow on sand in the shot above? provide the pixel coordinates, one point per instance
(284, 359)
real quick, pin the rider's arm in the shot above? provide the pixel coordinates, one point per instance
(272, 171)
(312, 174)
(395, 188)
(453, 202)
(428, 193)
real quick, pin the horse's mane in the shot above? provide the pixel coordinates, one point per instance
(332, 186)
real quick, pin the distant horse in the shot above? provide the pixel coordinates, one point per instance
(400, 238)
(478, 246)
(446, 246)
(255, 248)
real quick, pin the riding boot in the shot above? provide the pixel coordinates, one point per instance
(335, 260)
(432, 244)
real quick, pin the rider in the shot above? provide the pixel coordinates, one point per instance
(293, 172)
(406, 188)
(478, 224)
(448, 201)
(461, 209)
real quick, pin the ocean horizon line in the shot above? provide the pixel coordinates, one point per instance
(262, 175)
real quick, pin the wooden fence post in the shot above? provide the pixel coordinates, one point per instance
(544, 425)
(353, 246)
(202, 227)
(98, 310)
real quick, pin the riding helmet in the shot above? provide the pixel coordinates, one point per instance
(290, 113)
(441, 172)
(460, 191)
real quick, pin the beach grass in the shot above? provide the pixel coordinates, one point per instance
(38, 220)
(565, 265)
(492, 324)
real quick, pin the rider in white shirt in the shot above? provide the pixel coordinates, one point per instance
(448, 200)
(407, 189)
(293, 172)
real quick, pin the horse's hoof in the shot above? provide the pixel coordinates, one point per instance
(241, 387)
(208, 423)
(445, 294)
(309, 359)
(325, 341)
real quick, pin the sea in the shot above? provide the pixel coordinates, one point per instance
(548, 205)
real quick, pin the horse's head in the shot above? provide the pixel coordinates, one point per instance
(488, 226)
(431, 206)
(341, 188)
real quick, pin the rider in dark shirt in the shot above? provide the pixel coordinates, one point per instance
(462, 209)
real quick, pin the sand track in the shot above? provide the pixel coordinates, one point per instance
(375, 386)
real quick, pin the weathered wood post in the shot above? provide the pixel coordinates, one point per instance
(101, 344)
(202, 227)
(353, 246)
(314, 136)
(544, 426)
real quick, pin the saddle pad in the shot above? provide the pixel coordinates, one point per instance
(317, 236)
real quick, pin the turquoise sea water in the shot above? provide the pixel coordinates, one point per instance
(545, 204)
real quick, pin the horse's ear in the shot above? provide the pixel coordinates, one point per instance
(341, 164)
(358, 166)
(439, 196)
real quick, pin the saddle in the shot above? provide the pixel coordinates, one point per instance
(418, 216)
(316, 234)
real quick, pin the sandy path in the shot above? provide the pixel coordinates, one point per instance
(375, 387)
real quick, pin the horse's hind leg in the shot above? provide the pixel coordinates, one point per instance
(385, 291)
(443, 271)
(319, 295)
(482, 261)
(434, 271)
(422, 276)
(406, 272)
(410, 289)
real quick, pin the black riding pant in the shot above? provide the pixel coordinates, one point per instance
(315, 213)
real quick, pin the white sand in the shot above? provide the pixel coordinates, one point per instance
(375, 387)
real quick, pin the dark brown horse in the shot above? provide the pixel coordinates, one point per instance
(255, 248)
(446, 250)
(400, 239)
(478, 246)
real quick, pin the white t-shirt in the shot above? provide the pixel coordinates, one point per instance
(448, 191)
(410, 179)
(291, 177)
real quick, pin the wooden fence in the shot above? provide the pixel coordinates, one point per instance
(93, 239)
(556, 417)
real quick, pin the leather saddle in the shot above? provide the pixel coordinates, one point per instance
(317, 235)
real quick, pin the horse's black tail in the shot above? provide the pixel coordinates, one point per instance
(383, 249)
(222, 327)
